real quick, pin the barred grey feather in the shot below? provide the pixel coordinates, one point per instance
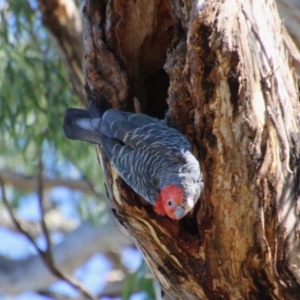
(148, 154)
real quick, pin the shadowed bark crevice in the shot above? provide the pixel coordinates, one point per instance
(143, 53)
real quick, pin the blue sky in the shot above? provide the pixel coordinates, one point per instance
(92, 274)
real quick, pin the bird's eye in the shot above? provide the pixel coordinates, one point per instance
(170, 203)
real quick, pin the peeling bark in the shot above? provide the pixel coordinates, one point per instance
(232, 90)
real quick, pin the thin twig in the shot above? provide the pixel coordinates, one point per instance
(87, 181)
(46, 255)
(40, 190)
(15, 221)
(53, 295)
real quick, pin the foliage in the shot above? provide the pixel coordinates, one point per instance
(139, 280)
(34, 93)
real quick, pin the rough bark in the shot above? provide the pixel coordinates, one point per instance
(226, 76)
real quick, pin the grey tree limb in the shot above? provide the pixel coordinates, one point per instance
(29, 183)
(18, 276)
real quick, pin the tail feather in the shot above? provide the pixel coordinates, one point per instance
(113, 120)
(94, 112)
(76, 113)
(109, 146)
(78, 125)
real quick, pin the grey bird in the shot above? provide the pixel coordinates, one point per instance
(155, 160)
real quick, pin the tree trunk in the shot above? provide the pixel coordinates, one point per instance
(224, 73)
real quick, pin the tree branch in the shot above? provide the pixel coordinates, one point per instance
(77, 247)
(53, 218)
(111, 290)
(46, 256)
(29, 183)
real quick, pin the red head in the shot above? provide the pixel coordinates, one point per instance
(170, 202)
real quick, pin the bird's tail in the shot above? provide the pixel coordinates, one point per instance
(82, 125)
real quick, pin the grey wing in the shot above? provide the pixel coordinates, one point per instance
(162, 137)
(172, 139)
(116, 122)
(158, 131)
(140, 170)
(139, 131)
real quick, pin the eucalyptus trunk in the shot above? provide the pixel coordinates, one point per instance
(224, 72)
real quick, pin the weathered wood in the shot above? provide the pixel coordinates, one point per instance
(232, 90)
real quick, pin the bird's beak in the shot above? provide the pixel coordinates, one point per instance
(189, 204)
(180, 212)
